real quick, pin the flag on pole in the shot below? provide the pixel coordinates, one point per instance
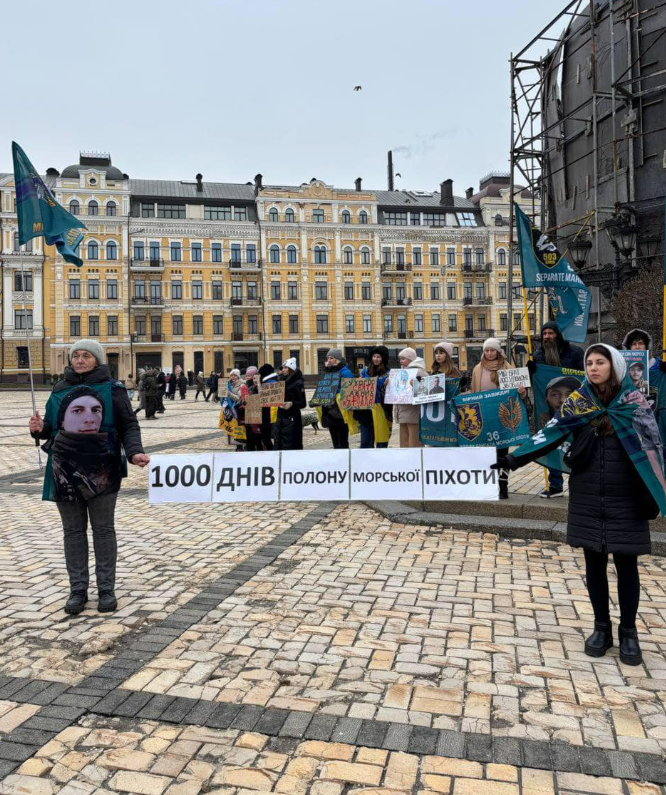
(40, 214)
(542, 265)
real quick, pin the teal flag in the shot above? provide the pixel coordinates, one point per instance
(542, 265)
(491, 419)
(634, 424)
(657, 398)
(552, 386)
(40, 214)
(437, 425)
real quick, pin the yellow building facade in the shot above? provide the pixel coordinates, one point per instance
(219, 275)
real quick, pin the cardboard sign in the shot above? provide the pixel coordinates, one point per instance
(358, 393)
(400, 386)
(272, 393)
(327, 389)
(430, 389)
(253, 410)
(638, 369)
(512, 379)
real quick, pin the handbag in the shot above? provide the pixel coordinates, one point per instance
(582, 448)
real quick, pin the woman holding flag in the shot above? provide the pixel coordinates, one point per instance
(615, 454)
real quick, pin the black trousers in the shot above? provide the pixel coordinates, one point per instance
(339, 431)
(628, 586)
(151, 405)
(253, 443)
(74, 517)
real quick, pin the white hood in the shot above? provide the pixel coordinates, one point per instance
(617, 360)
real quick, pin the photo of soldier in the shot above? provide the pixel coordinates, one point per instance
(636, 374)
(557, 391)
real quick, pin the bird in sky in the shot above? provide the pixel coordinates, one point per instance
(358, 88)
(398, 175)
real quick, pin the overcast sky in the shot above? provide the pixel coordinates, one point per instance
(229, 89)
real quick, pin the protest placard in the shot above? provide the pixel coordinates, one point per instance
(513, 378)
(438, 422)
(400, 386)
(638, 369)
(253, 410)
(272, 393)
(496, 418)
(430, 389)
(327, 389)
(358, 393)
(552, 386)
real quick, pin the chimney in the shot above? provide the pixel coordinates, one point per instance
(390, 170)
(258, 182)
(199, 183)
(357, 182)
(469, 193)
(446, 193)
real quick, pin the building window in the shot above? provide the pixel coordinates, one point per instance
(480, 290)
(292, 291)
(236, 253)
(276, 291)
(22, 357)
(451, 293)
(236, 292)
(23, 318)
(274, 254)
(216, 252)
(515, 291)
(147, 210)
(240, 213)
(402, 325)
(217, 213)
(322, 324)
(289, 216)
(93, 208)
(252, 324)
(349, 324)
(416, 256)
(293, 324)
(400, 292)
(93, 289)
(436, 323)
(252, 291)
(469, 322)
(23, 282)
(176, 290)
(517, 322)
(346, 217)
(139, 252)
(291, 254)
(155, 252)
(400, 256)
(501, 258)
(197, 324)
(111, 208)
(481, 323)
(347, 256)
(321, 291)
(466, 219)
(74, 207)
(156, 293)
(349, 291)
(171, 211)
(140, 325)
(112, 289)
(467, 290)
(504, 322)
(363, 217)
(317, 216)
(177, 324)
(387, 291)
(415, 219)
(93, 326)
(218, 324)
(140, 290)
(111, 250)
(197, 291)
(388, 324)
(365, 256)
(366, 291)
(74, 326)
(367, 324)
(237, 326)
(395, 219)
(217, 291)
(480, 256)
(273, 215)
(418, 324)
(434, 219)
(499, 220)
(320, 255)
(195, 252)
(453, 324)
(74, 289)
(251, 253)
(434, 258)
(176, 252)
(501, 291)
(277, 324)
(93, 250)
(434, 291)
(112, 325)
(467, 257)
(516, 256)
(418, 291)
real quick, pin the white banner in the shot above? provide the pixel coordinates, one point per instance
(431, 473)
(513, 378)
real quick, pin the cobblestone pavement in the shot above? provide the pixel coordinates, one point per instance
(315, 649)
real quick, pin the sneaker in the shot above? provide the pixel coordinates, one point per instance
(547, 494)
(76, 602)
(107, 602)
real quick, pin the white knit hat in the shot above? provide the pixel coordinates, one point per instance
(92, 346)
(446, 347)
(407, 353)
(617, 360)
(292, 364)
(494, 343)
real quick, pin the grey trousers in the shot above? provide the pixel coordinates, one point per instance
(74, 517)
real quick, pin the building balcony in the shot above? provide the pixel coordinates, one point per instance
(396, 267)
(398, 335)
(243, 303)
(148, 338)
(246, 336)
(396, 302)
(143, 302)
(245, 265)
(483, 301)
(150, 264)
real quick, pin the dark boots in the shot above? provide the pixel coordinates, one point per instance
(107, 602)
(630, 651)
(600, 640)
(503, 489)
(76, 602)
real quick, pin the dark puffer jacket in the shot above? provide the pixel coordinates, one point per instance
(288, 429)
(571, 356)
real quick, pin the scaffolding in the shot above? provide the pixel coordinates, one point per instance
(556, 111)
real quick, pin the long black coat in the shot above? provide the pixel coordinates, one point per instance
(609, 505)
(288, 430)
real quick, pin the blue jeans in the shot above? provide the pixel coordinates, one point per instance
(555, 480)
(368, 437)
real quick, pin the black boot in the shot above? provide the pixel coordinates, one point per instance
(630, 651)
(76, 602)
(107, 602)
(600, 640)
(504, 489)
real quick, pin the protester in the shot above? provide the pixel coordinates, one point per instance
(179, 381)
(212, 384)
(130, 386)
(555, 350)
(639, 340)
(484, 379)
(168, 386)
(288, 426)
(331, 416)
(190, 378)
(161, 384)
(201, 387)
(151, 390)
(616, 485)
(408, 416)
(232, 405)
(90, 428)
(250, 386)
(141, 389)
(267, 375)
(443, 364)
(368, 418)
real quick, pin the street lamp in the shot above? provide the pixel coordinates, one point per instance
(622, 234)
(648, 246)
(580, 251)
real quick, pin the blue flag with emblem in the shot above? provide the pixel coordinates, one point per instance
(496, 418)
(552, 386)
(40, 214)
(437, 425)
(542, 265)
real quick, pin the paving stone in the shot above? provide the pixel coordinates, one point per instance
(536, 754)
(155, 707)
(17, 752)
(593, 761)
(223, 716)
(109, 704)
(177, 710)
(30, 736)
(247, 718)
(272, 721)
(622, 765)
(565, 758)
(372, 734)
(133, 705)
(296, 724)
(650, 767)
(346, 730)
(199, 715)
(506, 751)
(397, 736)
(423, 740)
(320, 727)
(479, 748)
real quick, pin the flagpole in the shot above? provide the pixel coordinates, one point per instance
(663, 318)
(27, 336)
(527, 321)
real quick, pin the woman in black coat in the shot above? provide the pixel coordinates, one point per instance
(288, 431)
(609, 508)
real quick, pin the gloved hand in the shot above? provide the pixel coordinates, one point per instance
(287, 405)
(505, 462)
(531, 367)
(662, 366)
